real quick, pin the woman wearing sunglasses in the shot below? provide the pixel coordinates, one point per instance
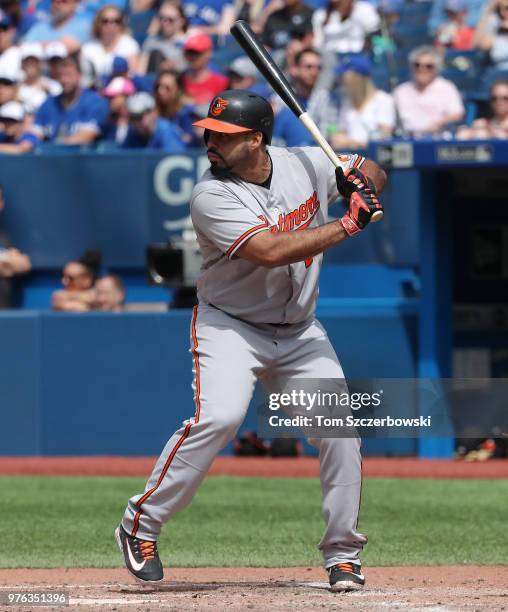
(494, 126)
(427, 103)
(165, 44)
(110, 40)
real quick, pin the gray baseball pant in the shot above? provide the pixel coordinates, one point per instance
(229, 355)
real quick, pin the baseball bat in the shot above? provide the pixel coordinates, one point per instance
(260, 57)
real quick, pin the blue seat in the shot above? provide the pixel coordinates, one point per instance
(465, 60)
(138, 24)
(410, 36)
(485, 81)
(415, 13)
(465, 81)
(384, 78)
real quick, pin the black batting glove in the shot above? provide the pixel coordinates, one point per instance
(352, 180)
(360, 194)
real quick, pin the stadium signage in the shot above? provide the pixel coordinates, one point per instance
(397, 155)
(481, 153)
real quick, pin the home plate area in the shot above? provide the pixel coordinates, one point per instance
(390, 588)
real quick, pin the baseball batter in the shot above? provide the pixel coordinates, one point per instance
(261, 217)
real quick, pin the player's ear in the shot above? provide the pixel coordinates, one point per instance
(255, 140)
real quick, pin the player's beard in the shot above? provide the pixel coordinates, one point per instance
(219, 169)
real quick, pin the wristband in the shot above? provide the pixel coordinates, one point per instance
(350, 227)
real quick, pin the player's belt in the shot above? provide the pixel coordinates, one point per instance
(276, 325)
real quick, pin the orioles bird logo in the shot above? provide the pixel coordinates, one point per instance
(218, 106)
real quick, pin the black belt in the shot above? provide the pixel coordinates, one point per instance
(244, 321)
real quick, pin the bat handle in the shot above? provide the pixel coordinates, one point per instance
(309, 123)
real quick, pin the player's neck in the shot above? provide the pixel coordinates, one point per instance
(256, 170)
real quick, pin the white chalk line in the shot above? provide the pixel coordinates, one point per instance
(85, 601)
(54, 587)
(410, 607)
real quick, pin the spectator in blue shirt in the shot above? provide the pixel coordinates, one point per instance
(21, 20)
(14, 139)
(146, 130)
(210, 16)
(64, 26)
(74, 117)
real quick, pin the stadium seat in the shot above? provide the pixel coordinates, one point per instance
(383, 78)
(138, 24)
(415, 13)
(465, 81)
(411, 36)
(485, 81)
(465, 60)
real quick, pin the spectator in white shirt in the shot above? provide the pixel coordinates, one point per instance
(427, 103)
(35, 87)
(366, 113)
(110, 40)
(344, 26)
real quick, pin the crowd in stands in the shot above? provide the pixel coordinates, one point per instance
(84, 289)
(137, 73)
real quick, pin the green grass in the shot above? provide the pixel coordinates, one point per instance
(60, 521)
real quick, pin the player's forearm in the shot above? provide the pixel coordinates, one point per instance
(298, 246)
(272, 250)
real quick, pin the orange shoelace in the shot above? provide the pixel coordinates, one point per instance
(147, 549)
(346, 567)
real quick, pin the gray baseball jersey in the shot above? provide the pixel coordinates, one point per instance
(226, 212)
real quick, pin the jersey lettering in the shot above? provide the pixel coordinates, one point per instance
(298, 219)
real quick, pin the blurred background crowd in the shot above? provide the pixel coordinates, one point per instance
(136, 73)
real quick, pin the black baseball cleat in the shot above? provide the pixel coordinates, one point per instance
(140, 556)
(346, 577)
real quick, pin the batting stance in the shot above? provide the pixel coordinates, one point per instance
(255, 319)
